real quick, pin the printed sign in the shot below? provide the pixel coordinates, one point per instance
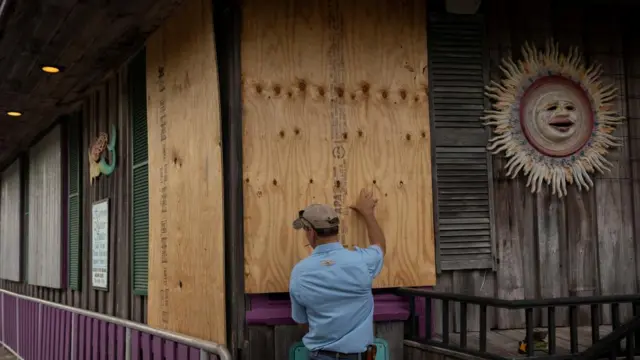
(100, 244)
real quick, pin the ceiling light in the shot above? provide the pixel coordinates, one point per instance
(50, 69)
(14, 113)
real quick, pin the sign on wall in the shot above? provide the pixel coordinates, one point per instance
(100, 244)
(553, 118)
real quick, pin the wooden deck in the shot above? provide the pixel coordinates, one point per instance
(505, 342)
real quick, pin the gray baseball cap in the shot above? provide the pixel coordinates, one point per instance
(317, 216)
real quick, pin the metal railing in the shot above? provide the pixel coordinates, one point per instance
(34, 329)
(610, 345)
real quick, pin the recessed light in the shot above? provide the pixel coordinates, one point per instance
(14, 113)
(51, 69)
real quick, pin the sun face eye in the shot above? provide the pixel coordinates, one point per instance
(570, 107)
(553, 107)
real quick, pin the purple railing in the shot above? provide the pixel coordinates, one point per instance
(35, 329)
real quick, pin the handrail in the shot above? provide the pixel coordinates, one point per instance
(220, 350)
(426, 334)
(521, 304)
(602, 347)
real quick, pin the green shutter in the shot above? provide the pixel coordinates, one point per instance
(462, 163)
(140, 181)
(74, 168)
(24, 250)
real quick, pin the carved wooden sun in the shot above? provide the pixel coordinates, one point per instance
(553, 118)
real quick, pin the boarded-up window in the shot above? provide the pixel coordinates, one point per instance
(10, 214)
(140, 181)
(74, 199)
(462, 163)
(45, 211)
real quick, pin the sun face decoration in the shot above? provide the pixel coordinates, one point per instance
(553, 118)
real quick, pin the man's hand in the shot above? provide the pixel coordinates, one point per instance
(366, 203)
(365, 206)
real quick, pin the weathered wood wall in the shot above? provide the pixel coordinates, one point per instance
(274, 342)
(186, 221)
(586, 243)
(45, 182)
(334, 101)
(107, 104)
(10, 222)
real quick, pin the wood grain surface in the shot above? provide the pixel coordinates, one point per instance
(335, 99)
(186, 245)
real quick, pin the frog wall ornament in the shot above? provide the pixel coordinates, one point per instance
(553, 118)
(97, 155)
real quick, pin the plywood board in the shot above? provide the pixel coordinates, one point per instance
(186, 244)
(10, 229)
(335, 99)
(45, 211)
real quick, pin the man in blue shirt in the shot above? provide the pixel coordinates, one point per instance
(331, 289)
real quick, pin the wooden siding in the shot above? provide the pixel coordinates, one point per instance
(10, 222)
(586, 243)
(107, 105)
(45, 183)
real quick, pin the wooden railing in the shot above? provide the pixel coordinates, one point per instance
(35, 329)
(610, 345)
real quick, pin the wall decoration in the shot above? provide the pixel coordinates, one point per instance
(97, 157)
(553, 118)
(100, 244)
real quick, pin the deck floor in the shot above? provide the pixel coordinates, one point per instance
(5, 354)
(505, 342)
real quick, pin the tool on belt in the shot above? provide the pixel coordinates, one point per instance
(371, 352)
(539, 342)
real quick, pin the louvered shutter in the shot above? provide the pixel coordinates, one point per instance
(140, 181)
(462, 163)
(25, 220)
(74, 229)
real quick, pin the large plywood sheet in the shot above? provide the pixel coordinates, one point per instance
(335, 99)
(186, 245)
(10, 224)
(45, 211)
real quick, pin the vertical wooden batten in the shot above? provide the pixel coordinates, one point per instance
(227, 23)
(186, 225)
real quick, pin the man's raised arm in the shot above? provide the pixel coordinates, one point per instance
(365, 206)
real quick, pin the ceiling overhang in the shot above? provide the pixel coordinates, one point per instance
(88, 39)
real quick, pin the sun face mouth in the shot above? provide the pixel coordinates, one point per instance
(562, 124)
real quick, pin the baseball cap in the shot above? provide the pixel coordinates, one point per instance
(317, 216)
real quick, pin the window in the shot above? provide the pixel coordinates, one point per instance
(10, 213)
(45, 211)
(140, 182)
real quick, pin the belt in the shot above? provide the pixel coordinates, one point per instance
(343, 356)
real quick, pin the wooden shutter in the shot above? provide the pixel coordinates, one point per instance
(140, 181)
(10, 226)
(74, 168)
(462, 163)
(24, 249)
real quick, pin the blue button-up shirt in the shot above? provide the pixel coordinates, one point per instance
(331, 291)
